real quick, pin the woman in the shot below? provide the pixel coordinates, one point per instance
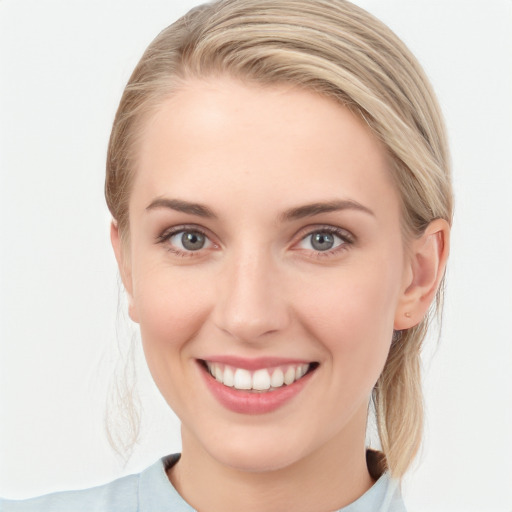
(279, 185)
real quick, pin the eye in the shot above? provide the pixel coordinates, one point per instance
(323, 240)
(189, 240)
(185, 241)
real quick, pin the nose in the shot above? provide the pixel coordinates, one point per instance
(251, 302)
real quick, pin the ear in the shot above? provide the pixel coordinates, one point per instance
(124, 264)
(425, 269)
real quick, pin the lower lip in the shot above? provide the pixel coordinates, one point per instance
(247, 402)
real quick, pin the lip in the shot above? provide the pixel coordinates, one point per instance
(255, 363)
(250, 402)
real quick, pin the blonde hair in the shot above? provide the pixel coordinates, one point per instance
(337, 49)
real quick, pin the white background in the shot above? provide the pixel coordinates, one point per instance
(63, 65)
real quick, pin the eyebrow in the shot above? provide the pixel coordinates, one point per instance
(299, 212)
(182, 206)
(309, 210)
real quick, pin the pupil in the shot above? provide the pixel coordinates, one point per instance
(322, 241)
(192, 241)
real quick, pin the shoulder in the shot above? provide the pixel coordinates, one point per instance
(149, 491)
(120, 494)
(384, 496)
(130, 494)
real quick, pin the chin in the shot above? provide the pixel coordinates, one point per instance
(258, 460)
(257, 453)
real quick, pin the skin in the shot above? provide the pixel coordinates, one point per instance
(259, 288)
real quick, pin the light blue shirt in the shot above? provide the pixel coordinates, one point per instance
(151, 491)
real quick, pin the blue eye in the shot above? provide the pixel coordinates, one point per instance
(189, 240)
(321, 241)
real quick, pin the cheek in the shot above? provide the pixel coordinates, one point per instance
(171, 310)
(352, 317)
(171, 307)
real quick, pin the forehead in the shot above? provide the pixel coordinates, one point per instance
(275, 142)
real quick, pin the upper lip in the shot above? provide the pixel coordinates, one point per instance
(254, 363)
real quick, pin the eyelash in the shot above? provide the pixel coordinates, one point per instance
(347, 239)
(169, 233)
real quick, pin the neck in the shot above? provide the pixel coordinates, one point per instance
(330, 478)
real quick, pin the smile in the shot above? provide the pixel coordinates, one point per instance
(261, 380)
(255, 386)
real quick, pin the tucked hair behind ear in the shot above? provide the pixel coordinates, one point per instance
(333, 48)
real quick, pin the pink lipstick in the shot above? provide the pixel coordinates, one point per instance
(255, 386)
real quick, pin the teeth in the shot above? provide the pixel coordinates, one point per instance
(260, 380)
(228, 378)
(218, 373)
(289, 376)
(301, 371)
(277, 379)
(243, 379)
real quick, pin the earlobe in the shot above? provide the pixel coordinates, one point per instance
(426, 266)
(123, 263)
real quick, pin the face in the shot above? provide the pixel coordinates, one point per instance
(265, 267)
